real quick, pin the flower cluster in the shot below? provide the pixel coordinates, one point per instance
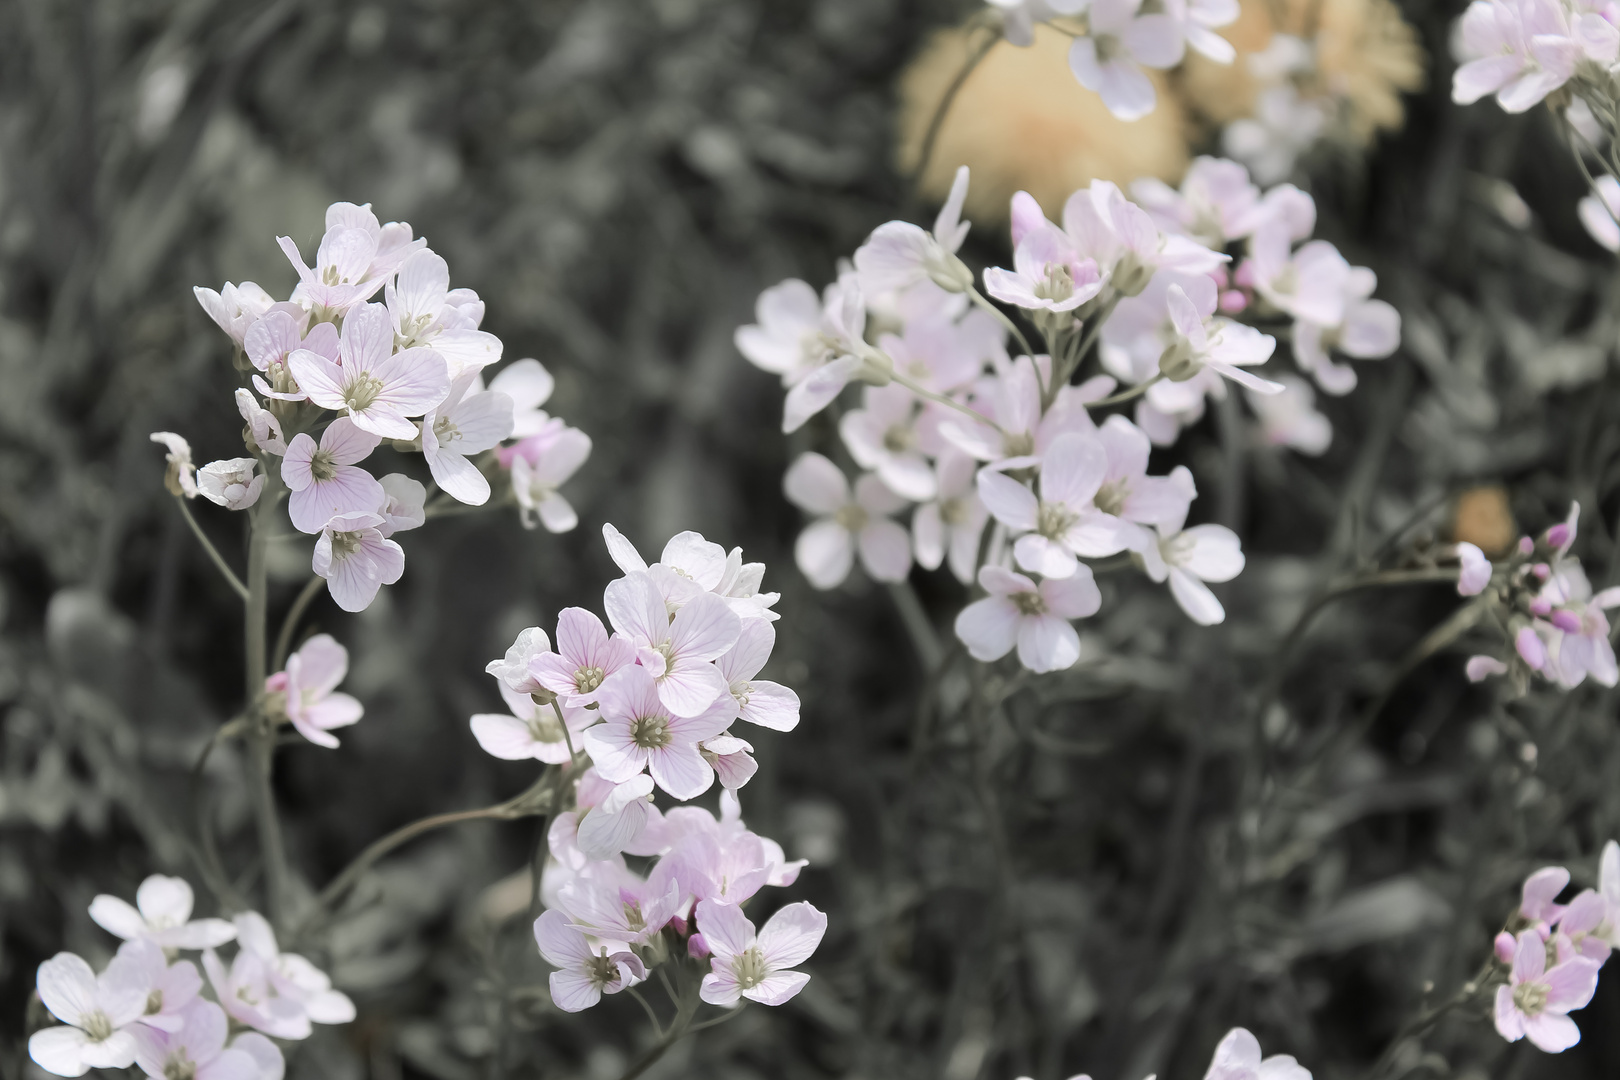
(651, 706)
(1114, 40)
(333, 374)
(1541, 598)
(1550, 954)
(952, 423)
(148, 1009)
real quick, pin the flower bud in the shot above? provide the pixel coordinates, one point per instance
(697, 948)
(1505, 947)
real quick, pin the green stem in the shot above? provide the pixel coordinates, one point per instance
(1001, 317)
(685, 1008)
(1125, 395)
(213, 553)
(290, 623)
(263, 739)
(922, 391)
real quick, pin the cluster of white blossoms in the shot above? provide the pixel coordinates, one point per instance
(334, 374)
(1114, 40)
(1541, 599)
(651, 706)
(971, 436)
(1550, 954)
(1522, 51)
(1237, 1057)
(148, 1008)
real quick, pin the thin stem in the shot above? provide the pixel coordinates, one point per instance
(646, 1007)
(535, 800)
(1001, 317)
(257, 597)
(220, 564)
(926, 152)
(1125, 395)
(685, 1006)
(918, 625)
(922, 391)
(568, 738)
(271, 847)
(290, 623)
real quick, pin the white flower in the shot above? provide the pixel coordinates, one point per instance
(1519, 50)
(529, 385)
(308, 690)
(236, 307)
(848, 522)
(899, 254)
(949, 528)
(883, 437)
(274, 338)
(375, 386)
(197, 1049)
(1220, 345)
(1217, 202)
(98, 1016)
(757, 967)
(162, 912)
(1121, 38)
(758, 701)
(181, 477)
(1289, 417)
(404, 504)
(325, 479)
(530, 731)
(515, 670)
(264, 429)
(1034, 618)
(418, 304)
(1190, 557)
(583, 976)
(1368, 330)
(459, 426)
(280, 994)
(356, 559)
(1048, 273)
(1600, 212)
(540, 465)
(232, 483)
(1475, 571)
(1238, 1058)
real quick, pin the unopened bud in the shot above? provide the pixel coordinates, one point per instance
(1505, 946)
(697, 948)
(543, 697)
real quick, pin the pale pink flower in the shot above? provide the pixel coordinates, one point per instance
(616, 817)
(638, 732)
(1311, 284)
(196, 1050)
(1122, 40)
(393, 241)
(1012, 399)
(517, 670)
(1600, 212)
(1063, 522)
(529, 385)
(540, 465)
(1480, 668)
(1048, 274)
(883, 437)
(1519, 50)
(169, 988)
(739, 587)
(1238, 1058)
(843, 351)
(757, 966)
(899, 255)
(688, 566)
(181, 475)
(308, 690)
(404, 504)
(848, 522)
(758, 701)
(791, 339)
(720, 859)
(1199, 18)
(583, 976)
(325, 479)
(1575, 628)
(1289, 417)
(1475, 570)
(731, 758)
(1537, 1000)
(280, 994)
(1581, 929)
(1034, 618)
(98, 1016)
(235, 308)
(278, 335)
(264, 430)
(530, 730)
(948, 529)
(1107, 227)
(162, 912)
(356, 255)
(1190, 557)
(459, 426)
(585, 657)
(944, 353)
(1538, 904)
(418, 305)
(356, 559)
(632, 913)
(1127, 492)
(676, 653)
(233, 483)
(1217, 202)
(1283, 126)
(1369, 330)
(372, 384)
(1217, 344)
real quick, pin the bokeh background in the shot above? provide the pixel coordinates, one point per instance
(1194, 830)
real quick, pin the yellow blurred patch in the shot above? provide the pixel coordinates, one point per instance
(1022, 122)
(1484, 519)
